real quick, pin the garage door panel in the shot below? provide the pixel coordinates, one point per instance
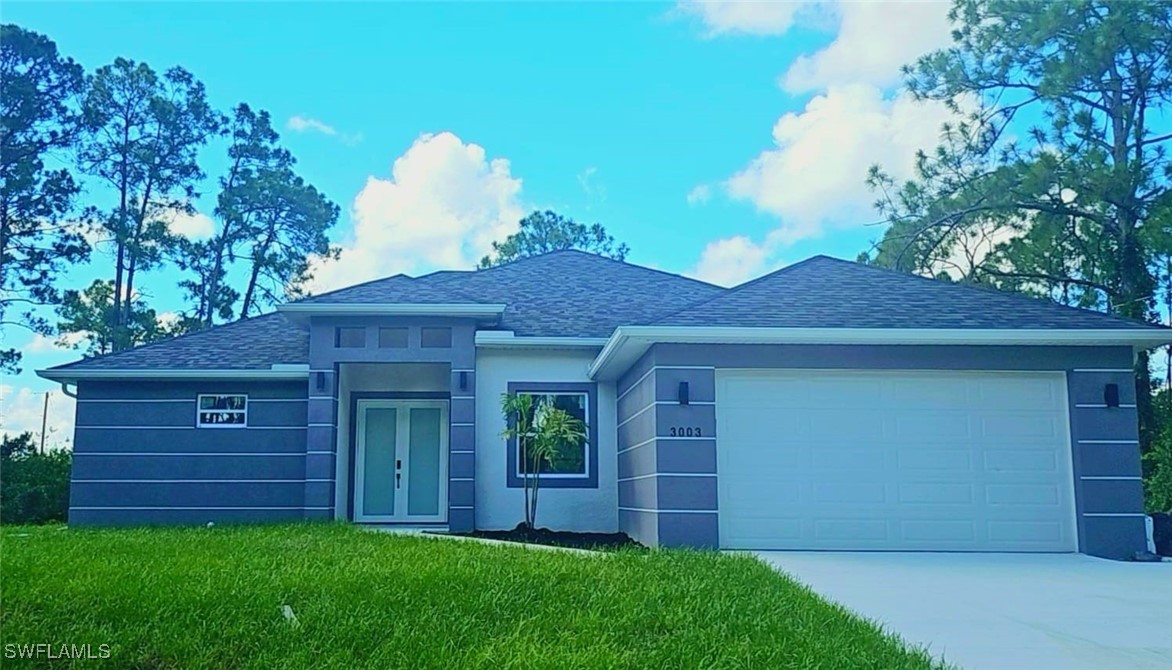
(897, 461)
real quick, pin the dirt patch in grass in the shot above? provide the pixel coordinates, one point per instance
(560, 538)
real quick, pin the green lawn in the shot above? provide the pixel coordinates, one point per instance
(212, 598)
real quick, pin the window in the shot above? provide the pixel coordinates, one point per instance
(222, 411)
(435, 338)
(392, 338)
(350, 337)
(571, 460)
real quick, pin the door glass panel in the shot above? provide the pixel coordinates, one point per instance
(423, 489)
(378, 476)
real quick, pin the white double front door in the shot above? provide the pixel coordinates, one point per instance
(401, 461)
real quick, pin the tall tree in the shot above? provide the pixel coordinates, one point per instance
(90, 313)
(542, 232)
(268, 217)
(1056, 180)
(144, 132)
(38, 125)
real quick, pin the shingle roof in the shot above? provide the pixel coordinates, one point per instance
(824, 292)
(252, 344)
(576, 294)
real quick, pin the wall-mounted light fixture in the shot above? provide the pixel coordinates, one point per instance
(463, 380)
(320, 381)
(683, 393)
(1111, 395)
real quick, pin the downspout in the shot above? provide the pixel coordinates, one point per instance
(65, 390)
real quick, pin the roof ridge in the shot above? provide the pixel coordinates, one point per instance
(347, 288)
(171, 340)
(727, 291)
(1011, 295)
(591, 254)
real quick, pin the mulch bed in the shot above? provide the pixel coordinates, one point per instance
(560, 538)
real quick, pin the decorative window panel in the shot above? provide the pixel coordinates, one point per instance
(221, 411)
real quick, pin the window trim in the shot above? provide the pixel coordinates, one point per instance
(585, 448)
(198, 410)
(589, 480)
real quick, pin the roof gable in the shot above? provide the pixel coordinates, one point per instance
(824, 292)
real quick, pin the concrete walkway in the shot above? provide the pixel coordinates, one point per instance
(1004, 611)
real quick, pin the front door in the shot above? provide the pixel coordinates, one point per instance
(401, 461)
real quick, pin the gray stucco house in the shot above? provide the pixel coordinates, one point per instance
(828, 405)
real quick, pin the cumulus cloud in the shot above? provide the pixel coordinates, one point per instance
(21, 408)
(721, 17)
(193, 226)
(812, 178)
(731, 261)
(442, 206)
(700, 195)
(874, 40)
(306, 124)
(64, 342)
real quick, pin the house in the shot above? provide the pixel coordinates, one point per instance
(828, 405)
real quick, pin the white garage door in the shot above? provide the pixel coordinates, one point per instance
(894, 461)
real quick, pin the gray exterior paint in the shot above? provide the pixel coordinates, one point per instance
(660, 509)
(322, 439)
(139, 459)
(590, 481)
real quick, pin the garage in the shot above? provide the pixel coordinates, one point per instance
(894, 461)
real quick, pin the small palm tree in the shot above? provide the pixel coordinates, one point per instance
(542, 431)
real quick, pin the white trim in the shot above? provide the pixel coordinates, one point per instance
(400, 511)
(624, 421)
(278, 399)
(463, 397)
(508, 339)
(1105, 478)
(244, 375)
(461, 451)
(188, 454)
(320, 425)
(1108, 441)
(464, 370)
(461, 507)
(1127, 370)
(634, 447)
(667, 511)
(666, 367)
(463, 424)
(319, 453)
(323, 397)
(461, 479)
(237, 426)
(686, 438)
(1112, 514)
(193, 481)
(404, 308)
(1091, 405)
(189, 509)
(628, 343)
(638, 381)
(667, 474)
(126, 400)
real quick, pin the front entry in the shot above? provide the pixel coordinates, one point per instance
(401, 461)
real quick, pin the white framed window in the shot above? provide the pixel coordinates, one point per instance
(572, 461)
(221, 410)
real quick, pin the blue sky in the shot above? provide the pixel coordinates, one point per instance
(719, 140)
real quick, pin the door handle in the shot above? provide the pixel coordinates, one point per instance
(397, 478)
(398, 465)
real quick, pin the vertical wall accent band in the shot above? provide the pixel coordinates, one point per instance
(667, 455)
(1108, 488)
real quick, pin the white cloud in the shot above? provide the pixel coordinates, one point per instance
(194, 226)
(305, 124)
(64, 342)
(730, 261)
(591, 185)
(873, 41)
(813, 177)
(21, 409)
(443, 205)
(738, 16)
(700, 195)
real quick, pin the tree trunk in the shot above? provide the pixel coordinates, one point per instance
(258, 254)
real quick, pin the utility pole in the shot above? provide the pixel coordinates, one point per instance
(44, 420)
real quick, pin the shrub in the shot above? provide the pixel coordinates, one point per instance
(34, 488)
(1158, 474)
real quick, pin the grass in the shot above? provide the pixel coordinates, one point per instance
(213, 598)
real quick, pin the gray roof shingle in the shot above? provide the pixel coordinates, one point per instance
(824, 292)
(576, 294)
(252, 344)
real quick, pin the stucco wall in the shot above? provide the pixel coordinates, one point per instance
(500, 507)
(139, 459)
(660, 507)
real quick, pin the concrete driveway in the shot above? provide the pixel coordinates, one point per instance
(1004, 611)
